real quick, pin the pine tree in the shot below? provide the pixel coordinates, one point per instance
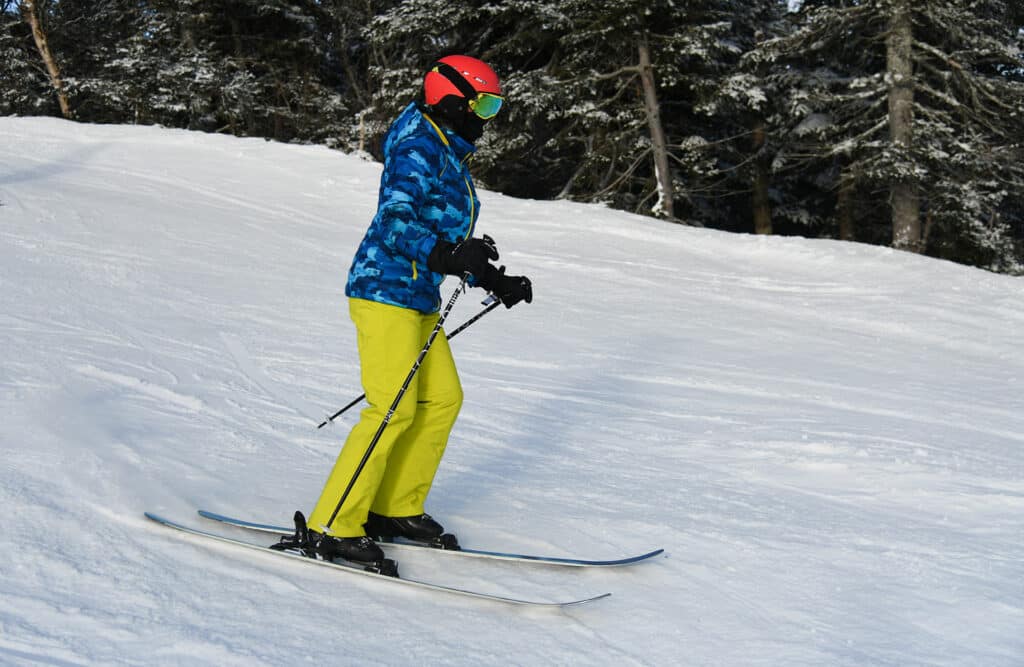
(887, 121)
(37, 16)
(269, 61)
(728, 147)
(91, 36)
(24, 85)
(580, 121)
(520, 153)
(912, 104)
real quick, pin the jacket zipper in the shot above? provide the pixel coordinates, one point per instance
(469, 188)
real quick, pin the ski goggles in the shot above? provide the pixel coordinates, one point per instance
(486, 105)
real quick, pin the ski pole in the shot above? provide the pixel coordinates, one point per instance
(491, 302)
(398, 398)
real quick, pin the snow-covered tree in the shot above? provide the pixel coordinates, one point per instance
(24, 84)
(887, 121)
(728, 148)
(31, 78)
(584, 118)
(254, 67)
(35, 14)
(912, 104)
(268, 59)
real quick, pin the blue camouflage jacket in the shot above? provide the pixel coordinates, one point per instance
(426, 194)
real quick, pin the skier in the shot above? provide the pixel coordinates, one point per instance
(423, 230)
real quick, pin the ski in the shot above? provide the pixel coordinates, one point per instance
(352, 568)
(470, 553)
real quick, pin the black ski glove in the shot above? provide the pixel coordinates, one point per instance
(510, 289)
(469, 256)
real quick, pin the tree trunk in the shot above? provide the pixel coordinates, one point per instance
(759, 200)
(664, 176)
(906, 205)
(30, 12)
(844, 206)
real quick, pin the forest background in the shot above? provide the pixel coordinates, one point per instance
(890, 122)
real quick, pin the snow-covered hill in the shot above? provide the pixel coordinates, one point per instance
(827, 438)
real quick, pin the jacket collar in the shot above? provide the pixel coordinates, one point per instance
(449, 137)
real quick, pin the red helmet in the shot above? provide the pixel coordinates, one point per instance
(459, 75)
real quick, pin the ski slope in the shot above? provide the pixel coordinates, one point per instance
(826, 438)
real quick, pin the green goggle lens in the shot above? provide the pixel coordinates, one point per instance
(486, 105)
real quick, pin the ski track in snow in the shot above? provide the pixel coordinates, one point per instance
(827, 438)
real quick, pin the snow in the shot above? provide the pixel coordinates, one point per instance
(827, 438)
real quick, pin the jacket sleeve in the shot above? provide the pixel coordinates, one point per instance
(405, 186)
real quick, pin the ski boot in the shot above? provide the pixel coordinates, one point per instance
(360, 550)
(419, 528)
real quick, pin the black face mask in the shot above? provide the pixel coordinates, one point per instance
(456, 114)
(472, 127)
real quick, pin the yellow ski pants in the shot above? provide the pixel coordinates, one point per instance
(400, 472)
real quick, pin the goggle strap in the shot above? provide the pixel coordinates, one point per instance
(453, 75)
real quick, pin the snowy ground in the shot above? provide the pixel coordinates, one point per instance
(827, 438)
